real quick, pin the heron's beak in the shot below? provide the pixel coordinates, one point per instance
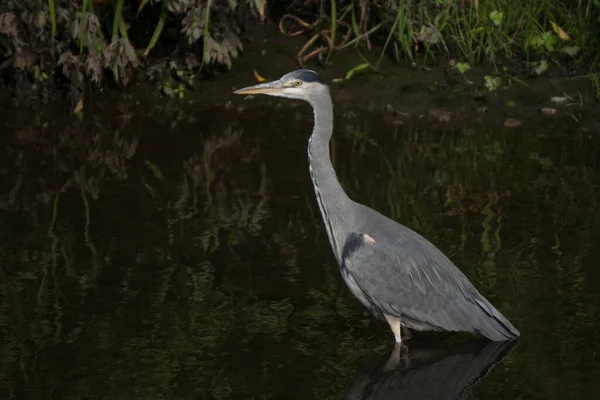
(262, 88)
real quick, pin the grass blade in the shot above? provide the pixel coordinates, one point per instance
(52, 9)
(362, 36)
(117, 20)
(142, 5)
(356, 69)
(389, 37)
(205, 56)
(159, 27)
(333, 28)
(82, 22)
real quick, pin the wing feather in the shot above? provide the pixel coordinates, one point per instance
(422, 287)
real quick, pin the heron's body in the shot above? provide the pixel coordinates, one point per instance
(397, 274)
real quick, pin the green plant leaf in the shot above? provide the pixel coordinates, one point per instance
(52, 9)
(462, 67)
(205, 39)
(570, 50)
(355, 70)
(541, 67)
(117, 20)
(492, 83)
(82, 22)
(497, 17)
(159, 27)
(142, 5)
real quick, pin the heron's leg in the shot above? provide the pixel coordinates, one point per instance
(398, 358)
(393, 360)
(394, 323)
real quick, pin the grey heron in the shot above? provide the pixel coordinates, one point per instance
(397, 274)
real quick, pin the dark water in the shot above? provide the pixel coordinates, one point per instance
(162, 252)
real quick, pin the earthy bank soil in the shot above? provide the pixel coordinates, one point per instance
(432, 93)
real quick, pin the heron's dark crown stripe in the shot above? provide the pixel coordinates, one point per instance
(307, 75)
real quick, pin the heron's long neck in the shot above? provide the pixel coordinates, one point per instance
(331, 197)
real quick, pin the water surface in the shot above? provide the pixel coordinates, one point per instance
(162, 250)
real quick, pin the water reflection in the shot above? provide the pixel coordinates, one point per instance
(173, 252)
(428, 373)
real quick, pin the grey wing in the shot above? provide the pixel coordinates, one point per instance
(421, 286)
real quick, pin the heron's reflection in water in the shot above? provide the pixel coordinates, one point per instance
(428, 373)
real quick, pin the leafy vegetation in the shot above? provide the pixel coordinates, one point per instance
(82, 39)
(530, 35)
(45, 41)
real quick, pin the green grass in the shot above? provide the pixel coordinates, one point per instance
(482, 31)
(479, 31)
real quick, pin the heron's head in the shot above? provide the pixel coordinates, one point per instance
(300, 84)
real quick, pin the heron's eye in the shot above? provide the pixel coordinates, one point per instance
(298, 83)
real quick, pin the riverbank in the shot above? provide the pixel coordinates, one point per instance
(438, 94)
(63, 51)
